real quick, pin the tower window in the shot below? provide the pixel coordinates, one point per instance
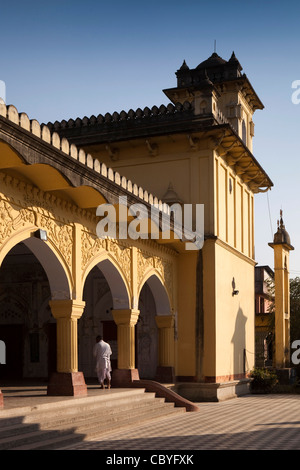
(244, 133)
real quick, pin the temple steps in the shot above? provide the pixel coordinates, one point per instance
(60, 424)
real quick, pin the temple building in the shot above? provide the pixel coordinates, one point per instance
(171, 314)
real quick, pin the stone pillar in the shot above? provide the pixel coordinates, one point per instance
(166, 356)
(126, 372)
(67, 380)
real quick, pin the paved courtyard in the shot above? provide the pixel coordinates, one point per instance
(252, 422)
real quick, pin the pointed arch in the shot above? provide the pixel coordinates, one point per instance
(57, 273)
(159, 292)
(115, 278)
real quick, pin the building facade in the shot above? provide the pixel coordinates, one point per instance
(170, 313)
(264, 316)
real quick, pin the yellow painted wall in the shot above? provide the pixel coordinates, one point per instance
(209, 308)
(235, 319)
(186, 298)
(189, 170)
(228, 320)
(234, 209)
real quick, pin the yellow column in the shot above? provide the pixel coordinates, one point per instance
(281, 307)
(126, 321)
(67, 312)
(165, 324)
(282, 246)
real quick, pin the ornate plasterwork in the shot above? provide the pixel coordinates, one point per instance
(122, 255)
(147, 262)
(61, 235)
(92, 247)
(12, 220)
(25, 206)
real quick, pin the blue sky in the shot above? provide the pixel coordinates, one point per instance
(64, 59)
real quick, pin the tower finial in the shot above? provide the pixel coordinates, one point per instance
(281, 219)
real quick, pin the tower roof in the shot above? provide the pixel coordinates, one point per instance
(214, 71)
(282, 237)
(213, 61)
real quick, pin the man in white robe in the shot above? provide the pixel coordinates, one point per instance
(102, 353)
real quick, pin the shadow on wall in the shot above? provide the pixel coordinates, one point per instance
(239, 343)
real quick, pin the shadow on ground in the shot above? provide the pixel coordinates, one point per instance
(274, 438)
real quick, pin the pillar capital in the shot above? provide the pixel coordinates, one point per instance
(127, 317)
(165, 321)
(67, 308)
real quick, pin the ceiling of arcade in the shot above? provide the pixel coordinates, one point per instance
(48, 179)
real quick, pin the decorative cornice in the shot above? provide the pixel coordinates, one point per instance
(70, 153)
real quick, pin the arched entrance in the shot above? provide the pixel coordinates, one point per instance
(104, 291)
(30, 275)
(146, 335)
(155, 332)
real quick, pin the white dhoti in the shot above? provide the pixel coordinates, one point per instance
(102, 353)
(103, 369)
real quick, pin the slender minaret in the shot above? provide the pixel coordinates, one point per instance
(282, 247)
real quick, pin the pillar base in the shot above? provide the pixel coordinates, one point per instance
(124, 377)
(165, 374)
(1, 400)
(67, 384)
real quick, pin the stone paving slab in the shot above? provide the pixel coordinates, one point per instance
(251, 422)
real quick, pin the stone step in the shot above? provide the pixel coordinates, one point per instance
(54, 420)
(66, 438)
(56, 425)
(106, 398)
(89, 405)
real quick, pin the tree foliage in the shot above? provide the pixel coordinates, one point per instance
(295, 309)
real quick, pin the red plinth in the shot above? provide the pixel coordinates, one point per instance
(124, 377)
(1, 400)
(67, 384)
